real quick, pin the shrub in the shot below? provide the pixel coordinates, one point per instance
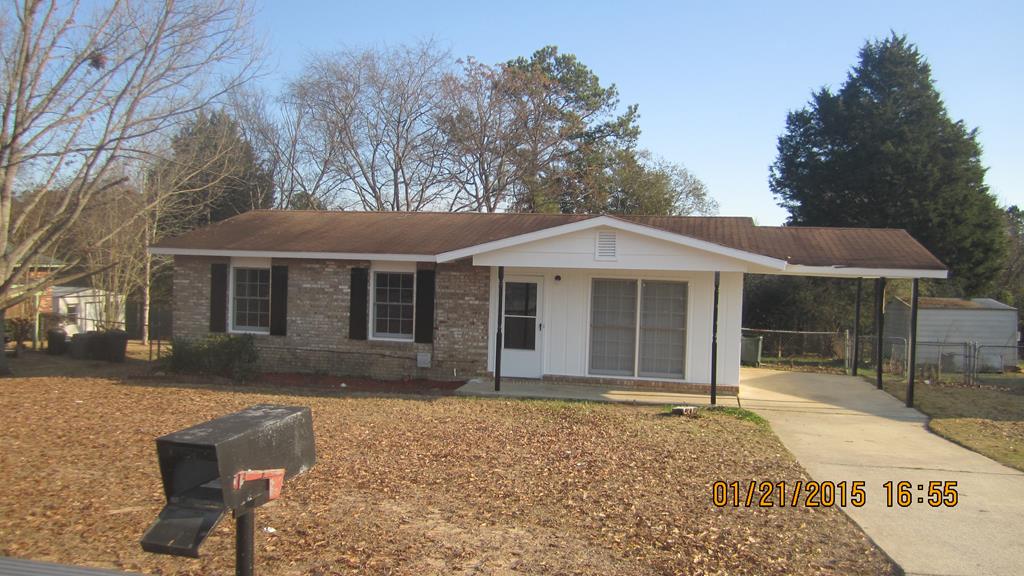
(233, 357)
(20, 330)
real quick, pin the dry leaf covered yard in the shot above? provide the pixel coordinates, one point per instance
(418, 485)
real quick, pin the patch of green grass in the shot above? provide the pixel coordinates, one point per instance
(737, 413)
(806, 364)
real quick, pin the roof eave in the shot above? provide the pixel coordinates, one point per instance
(229, 253)
(864, 272)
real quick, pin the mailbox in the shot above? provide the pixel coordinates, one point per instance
(236, 462)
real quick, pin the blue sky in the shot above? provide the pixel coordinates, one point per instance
(714, 80)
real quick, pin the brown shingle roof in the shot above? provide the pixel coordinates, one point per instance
(932, 303)
(432, 233)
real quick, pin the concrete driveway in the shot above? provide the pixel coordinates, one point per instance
(842, 428)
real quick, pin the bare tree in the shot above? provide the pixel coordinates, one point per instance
(485, 130)
(118, 263)
(303, 164)
(378, 109)
(80, 88)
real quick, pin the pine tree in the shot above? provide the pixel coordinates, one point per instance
(883, 152)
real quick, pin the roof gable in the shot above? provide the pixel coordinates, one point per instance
(620, 225)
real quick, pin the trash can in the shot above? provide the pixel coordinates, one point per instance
(750, 350)
(116, 344)
(56, 342)
(77, 346)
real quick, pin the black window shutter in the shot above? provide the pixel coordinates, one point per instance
(278, 300)
(218, 297)
(425, 306)
(357, 316)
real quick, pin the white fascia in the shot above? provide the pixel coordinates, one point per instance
(156, 250)
(855, 272)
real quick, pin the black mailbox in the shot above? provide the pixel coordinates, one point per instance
(236, 462)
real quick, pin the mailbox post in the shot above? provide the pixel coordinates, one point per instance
(236, 462)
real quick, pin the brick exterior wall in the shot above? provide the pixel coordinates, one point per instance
(318, 320)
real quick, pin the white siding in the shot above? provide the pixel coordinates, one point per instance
(89, 304)
(565, 313)
(994, 329)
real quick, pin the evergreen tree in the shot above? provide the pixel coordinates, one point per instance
(571, 130)
(883, 152)
(215, 169)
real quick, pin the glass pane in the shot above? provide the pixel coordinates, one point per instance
(663, 329)
(613, 327)
(521, 298)
(252, 298)
(520, 333)
(393, 304)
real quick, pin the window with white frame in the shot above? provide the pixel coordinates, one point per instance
(251, 300)
(393, 297)
(638, 328)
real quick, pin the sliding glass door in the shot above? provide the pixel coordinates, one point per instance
(638, 328)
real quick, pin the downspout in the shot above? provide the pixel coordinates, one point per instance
(498, 338)
(714, 344)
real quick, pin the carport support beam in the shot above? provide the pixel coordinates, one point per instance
(880, 328)
(913, 344)
(714, 345)
(498, 338)
(856, 329)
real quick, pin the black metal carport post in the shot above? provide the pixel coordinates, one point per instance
(856, 329)
(913, 345)
(714, 345)
(880, 328)
(497, 339)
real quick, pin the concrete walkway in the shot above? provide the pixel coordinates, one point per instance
(519, 388)
(842, 428)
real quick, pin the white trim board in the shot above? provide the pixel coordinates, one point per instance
(855, 272)
(158, 250)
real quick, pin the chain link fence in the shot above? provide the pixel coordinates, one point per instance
(961, 362)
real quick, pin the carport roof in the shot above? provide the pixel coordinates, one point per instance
(429, 234)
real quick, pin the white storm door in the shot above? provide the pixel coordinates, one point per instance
(521, 354)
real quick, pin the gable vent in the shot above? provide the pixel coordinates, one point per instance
(605, 249)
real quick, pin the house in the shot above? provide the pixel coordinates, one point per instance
(86, 308)
(38, 304)
(946, 325)
(397, 295)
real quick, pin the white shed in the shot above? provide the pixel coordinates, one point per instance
(84, 308)
(945, 325)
